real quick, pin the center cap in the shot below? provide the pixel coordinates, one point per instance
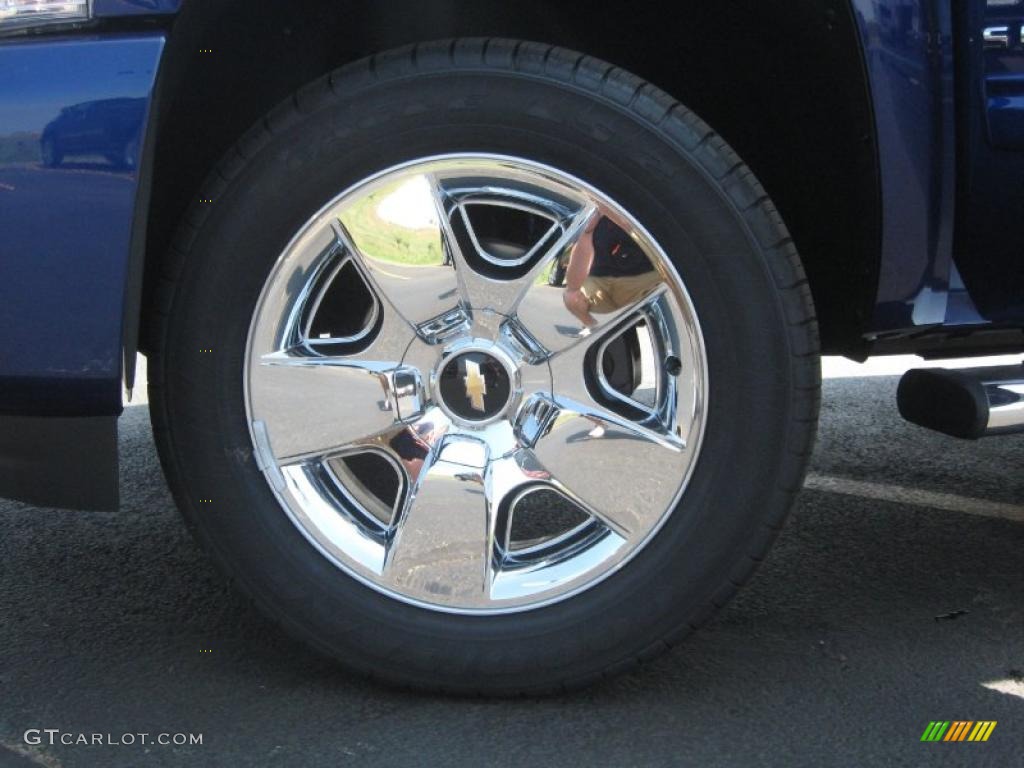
(474, 386)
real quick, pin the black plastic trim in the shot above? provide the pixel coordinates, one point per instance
(59, 461)
(130, 330)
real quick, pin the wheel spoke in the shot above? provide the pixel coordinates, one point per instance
(500, 290)
(577, 378)
(305, 402)
(595, 453)
(396, 237)
(441, 547)
(544, 313)
(622, 472)
(569, 357)
(303, 387)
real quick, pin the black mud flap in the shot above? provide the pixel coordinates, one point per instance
(60, 461)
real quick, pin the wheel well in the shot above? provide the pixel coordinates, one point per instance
(781, 80)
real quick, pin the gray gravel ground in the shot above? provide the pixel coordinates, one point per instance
(832, 656)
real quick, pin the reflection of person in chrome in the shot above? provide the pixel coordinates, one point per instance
(607, 270)
(412, 445)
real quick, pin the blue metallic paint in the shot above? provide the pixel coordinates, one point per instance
(1003, 80)
(1005, 103)
(908, 52)
(67, 229)
(108, 8)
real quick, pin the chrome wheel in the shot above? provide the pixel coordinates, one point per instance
(431, 416)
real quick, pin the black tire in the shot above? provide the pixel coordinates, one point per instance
(600, 124)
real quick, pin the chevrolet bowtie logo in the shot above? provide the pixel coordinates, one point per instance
(476, 385)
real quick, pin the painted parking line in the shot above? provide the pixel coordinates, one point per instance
(1009, 686)
(917, 497)
(27, 755)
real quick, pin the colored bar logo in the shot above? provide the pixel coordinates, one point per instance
(958, 730)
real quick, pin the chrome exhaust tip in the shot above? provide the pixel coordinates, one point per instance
(967, 402)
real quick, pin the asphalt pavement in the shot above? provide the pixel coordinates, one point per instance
(894, 597)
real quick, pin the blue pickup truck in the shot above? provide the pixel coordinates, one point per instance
(484, 338)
